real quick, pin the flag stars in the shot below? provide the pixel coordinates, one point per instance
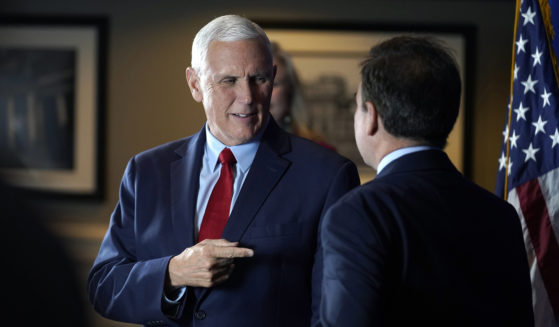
(528, 16)
(513, 139)
(539, 125)
(532, 84)
(520, 112)
(555, 138)
(529, 84)
(520, 44)
(537, 57)
(502, 161)
(530, 153)
(545, 96)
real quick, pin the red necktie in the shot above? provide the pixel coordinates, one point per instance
(217, 210)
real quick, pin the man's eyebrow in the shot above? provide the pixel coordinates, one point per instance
(220, 77)
(263, 73)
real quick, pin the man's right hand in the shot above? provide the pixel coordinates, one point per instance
(205, 264)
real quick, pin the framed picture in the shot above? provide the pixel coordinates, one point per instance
(327, 60)
(52, 99)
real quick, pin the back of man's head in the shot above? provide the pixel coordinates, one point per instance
(415, 86)
(228, 28)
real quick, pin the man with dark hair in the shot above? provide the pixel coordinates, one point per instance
(420, 244)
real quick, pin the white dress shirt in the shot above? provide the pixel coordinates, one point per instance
(209, 174)
(211, 169)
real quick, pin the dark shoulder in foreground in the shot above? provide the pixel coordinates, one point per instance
(401, 185)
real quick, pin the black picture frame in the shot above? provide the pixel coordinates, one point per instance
(339, 47)
(52, 104)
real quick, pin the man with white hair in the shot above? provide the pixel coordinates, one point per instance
(221, 228)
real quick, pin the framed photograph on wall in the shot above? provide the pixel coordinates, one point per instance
(327, 60)
(52, 99)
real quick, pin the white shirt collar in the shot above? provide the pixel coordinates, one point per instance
(401, 152)
(244, 153)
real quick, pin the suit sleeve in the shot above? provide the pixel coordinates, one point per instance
(346, 179)
(120, 286)
(355, 249)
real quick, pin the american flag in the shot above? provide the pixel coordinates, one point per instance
(528, 175)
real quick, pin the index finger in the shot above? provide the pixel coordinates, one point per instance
(232, 252)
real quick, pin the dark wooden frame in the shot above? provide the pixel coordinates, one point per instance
(86, 177)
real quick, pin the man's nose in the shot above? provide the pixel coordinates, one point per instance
(245, 92)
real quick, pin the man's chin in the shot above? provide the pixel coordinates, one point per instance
(241, 139)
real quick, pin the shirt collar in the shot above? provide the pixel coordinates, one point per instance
(244, 153)
(401, 152)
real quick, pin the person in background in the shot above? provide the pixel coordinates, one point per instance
(287, 105)
(221, 228)
(419, 244)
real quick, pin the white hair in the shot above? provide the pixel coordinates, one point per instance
(226, 28)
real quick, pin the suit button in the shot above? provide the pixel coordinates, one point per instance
(200, 315)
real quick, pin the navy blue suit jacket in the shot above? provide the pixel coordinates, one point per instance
(290, 185)
(422, 246)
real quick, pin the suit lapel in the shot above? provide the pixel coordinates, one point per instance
(185, 172)
(265, 172)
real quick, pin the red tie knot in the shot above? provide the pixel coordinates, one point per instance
(227, 157)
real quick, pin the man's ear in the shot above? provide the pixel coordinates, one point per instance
(193, 82)
(372, 118)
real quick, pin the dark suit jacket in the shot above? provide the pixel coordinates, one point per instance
(290, 185)
(422, 246)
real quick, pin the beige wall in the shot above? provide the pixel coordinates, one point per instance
(148, 102)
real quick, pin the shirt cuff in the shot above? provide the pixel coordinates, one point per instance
(171, 303)
(175, 296)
